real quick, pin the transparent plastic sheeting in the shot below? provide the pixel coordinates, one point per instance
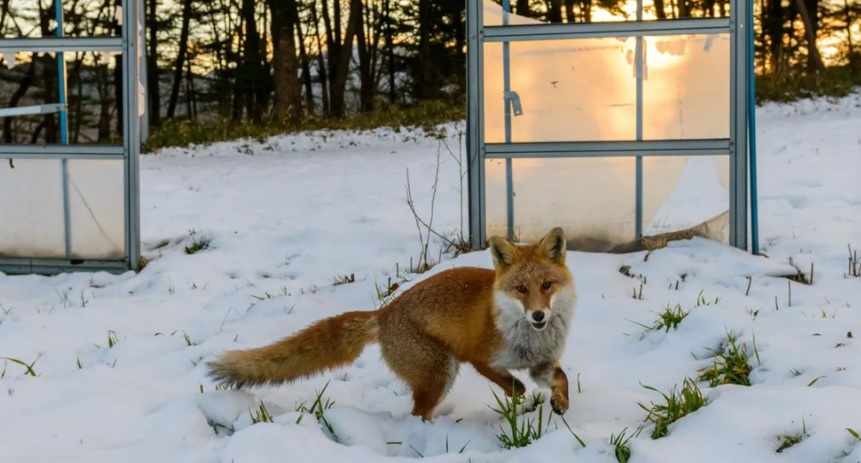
(585, 90)
(31, 209)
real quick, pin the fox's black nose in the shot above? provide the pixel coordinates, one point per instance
(538, 316)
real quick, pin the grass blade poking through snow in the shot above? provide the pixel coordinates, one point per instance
(669, 319)
(30, 371)
(523, 434)
(677, 405)
(730, 366)
(788, 440)
(318, 409)
(620, 444)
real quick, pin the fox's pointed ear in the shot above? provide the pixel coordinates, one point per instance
(503, 251)
(553, 245)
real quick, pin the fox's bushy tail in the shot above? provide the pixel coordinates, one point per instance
(327, 344)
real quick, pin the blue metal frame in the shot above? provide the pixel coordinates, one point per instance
(754, 197)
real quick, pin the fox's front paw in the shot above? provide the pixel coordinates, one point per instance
(534, 401)
(517, 389)
(559, 404)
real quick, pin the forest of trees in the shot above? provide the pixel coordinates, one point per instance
(282, 63)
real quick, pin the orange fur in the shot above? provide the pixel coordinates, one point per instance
(430, 329)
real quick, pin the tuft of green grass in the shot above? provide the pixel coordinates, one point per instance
(622, 450)
(527, 431)
(669, 319)
(198, 242)
(701, 300)
(262, 414)
(112, 338)
(676, 405)
(730, 365)
(788, 440)
(318, 409)
(344, 279)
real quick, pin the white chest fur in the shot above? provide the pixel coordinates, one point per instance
(526, 347)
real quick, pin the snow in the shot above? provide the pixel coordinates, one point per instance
(119, 359)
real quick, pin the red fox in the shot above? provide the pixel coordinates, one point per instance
(511, 318)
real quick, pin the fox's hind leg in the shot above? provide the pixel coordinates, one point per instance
(426, 366)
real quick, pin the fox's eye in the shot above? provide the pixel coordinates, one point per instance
(546, 285)
(521, 289)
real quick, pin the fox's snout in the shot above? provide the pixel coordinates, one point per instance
(538, 318)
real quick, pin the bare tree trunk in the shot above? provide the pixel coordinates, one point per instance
(252, 79)
(390, 50)
(190, 92)
(152, 66)
(304, 62)
(321, 61)
(854, 58)
(366, 75)
(522, 8)
(180, 59)
(342, 59)
(570, 15)
(814, 59)
(660, 9)
(554, 11)
(425, 87)
(288, 97)
(773, 23)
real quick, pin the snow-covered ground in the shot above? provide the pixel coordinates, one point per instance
(118, 360)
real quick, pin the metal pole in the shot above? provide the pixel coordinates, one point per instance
(754, 201)
(474, 118)
(739, 107)
(506, 78)
(639, 62)
(64, 131)
(131, 128)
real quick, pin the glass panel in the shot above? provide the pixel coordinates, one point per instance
(585, 89)
(570, 90)
(83, 18)
(686, 86)
(31, 209)
(691, 194)
(593, 199)
(570, 11)
(91, 92)
(96, 201)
